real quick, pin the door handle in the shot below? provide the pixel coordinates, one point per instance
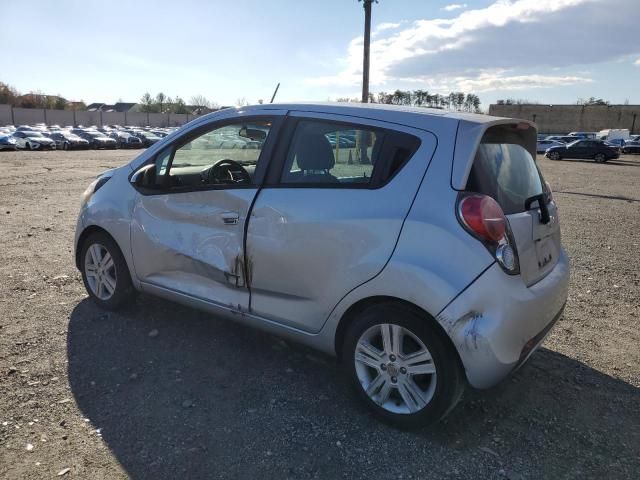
(230, 218)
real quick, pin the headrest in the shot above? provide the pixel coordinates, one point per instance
(314, 152)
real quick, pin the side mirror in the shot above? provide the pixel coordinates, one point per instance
(145, 177)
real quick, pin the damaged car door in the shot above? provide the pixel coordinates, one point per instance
(188, 220)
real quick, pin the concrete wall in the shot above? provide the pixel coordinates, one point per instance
(137, 118)
(27, 116)
(573, 118)
(30, 116)
(177, 119)
(5, 115)
(59, 117)
(113, 118)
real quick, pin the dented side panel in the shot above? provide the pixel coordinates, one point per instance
(180, 242)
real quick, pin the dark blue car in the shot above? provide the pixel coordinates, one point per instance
(584, 149)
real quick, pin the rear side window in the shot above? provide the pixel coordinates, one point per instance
(506, 172)
(326, 153)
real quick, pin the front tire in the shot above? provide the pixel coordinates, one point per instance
(104, 272)
(600, 158)
(402, 366)
(28, 146)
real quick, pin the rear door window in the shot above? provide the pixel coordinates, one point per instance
(337, 154)
(506, 172)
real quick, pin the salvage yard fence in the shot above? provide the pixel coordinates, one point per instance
(30, 116)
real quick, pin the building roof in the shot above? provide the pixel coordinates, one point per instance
(116, 107)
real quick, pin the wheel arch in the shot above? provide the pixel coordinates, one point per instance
(88, 231)
(367, 302)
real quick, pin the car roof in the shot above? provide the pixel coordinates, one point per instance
(375, 111)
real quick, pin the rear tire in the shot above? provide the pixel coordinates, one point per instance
(554, 156)
(104, 272)
(411, 382)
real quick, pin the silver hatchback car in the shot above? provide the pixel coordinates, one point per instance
(420, 247)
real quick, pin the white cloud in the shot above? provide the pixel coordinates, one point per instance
(510, 37)
(381, 27)
(637, 63)
(454, 6)
(501, 81)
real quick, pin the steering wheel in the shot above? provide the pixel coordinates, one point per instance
(226, 171)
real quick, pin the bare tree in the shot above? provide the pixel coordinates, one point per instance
(200, 101)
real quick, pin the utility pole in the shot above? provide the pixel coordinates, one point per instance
(367, 41)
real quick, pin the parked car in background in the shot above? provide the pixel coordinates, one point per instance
(543, 145)
(618, 142)
(586, 135)
(562, 138)
(631, 147)
(32, 140)
(586, 149)
(160, 133)
(616, 146)
(412, 322)
(68, 141)
(617, 135)
(7, 142)
(96, 139)
(147, 138)
(126, 140)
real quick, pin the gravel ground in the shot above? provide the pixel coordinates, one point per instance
(163, 391)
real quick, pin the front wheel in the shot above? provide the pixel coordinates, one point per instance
(104, 272)
(401, 366)
(600, 158)
(28, 146)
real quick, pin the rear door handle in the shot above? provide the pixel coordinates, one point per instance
(230, 218)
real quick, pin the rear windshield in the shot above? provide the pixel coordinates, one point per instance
(506, 172)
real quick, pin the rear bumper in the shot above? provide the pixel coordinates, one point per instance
(497, 322)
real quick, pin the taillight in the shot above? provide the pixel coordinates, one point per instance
(483, 217)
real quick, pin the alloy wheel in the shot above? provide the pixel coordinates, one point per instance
(395, 368)
(100, 271)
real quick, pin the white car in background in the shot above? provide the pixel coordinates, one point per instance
(30, 140)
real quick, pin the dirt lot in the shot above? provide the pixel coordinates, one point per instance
(95, 393)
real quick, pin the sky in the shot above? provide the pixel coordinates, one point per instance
(549, 51)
